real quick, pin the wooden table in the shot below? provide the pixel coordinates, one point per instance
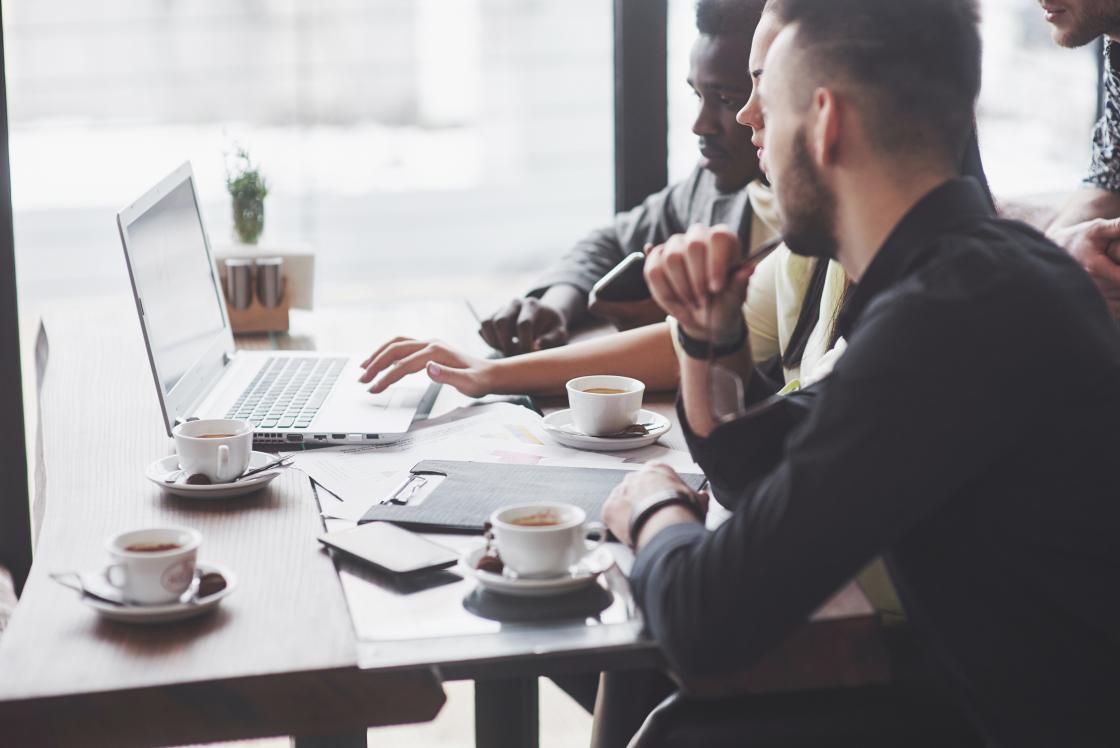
(279, 657)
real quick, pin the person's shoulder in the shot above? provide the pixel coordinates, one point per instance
(994, 287)
(1002, 256)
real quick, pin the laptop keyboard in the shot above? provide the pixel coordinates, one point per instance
(287, 392)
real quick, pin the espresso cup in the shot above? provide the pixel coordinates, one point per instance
(604, 404)
(544, 540)
(153, 566)
(217, 448)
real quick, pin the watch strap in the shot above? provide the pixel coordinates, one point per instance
(654, 503)
(704, 349)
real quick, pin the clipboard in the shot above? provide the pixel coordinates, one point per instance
(471, 491)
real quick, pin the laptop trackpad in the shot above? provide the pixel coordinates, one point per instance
(352, 409)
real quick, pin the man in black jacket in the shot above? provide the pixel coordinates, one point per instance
(948, 439)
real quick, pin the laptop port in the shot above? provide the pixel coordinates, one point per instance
(341, 437)
(295, 437)
(371, 436)
(321, 437)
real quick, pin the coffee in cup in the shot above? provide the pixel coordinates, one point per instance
(152, 547)
(604, 404)
(217, 448)
(544, 540)
(154, 566)
(547, 518)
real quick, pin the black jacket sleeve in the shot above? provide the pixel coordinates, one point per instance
(897, 428)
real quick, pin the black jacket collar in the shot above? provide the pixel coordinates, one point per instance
(957, 201)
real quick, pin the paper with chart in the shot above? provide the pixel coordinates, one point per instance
(497, 432)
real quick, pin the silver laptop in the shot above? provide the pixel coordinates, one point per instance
(289, 396)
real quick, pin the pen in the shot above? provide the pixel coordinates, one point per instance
(474, 313)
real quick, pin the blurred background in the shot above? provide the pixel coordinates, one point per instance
(422, 148)
(418, 146)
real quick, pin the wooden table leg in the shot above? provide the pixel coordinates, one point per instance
(341, 740)
(506, 713)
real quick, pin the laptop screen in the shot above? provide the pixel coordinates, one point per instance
(173, 277)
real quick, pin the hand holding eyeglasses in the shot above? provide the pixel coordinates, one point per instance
(700, 278)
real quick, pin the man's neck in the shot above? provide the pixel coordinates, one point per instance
(870, 207)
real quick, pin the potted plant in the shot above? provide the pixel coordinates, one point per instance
(248, 189)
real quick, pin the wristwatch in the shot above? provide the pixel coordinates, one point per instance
(654, 503)
(703, 349)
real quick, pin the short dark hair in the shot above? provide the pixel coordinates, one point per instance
(723, 17)
(914, 63)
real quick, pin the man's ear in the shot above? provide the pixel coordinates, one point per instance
(825, 130)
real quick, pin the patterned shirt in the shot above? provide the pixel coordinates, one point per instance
(1104, 167)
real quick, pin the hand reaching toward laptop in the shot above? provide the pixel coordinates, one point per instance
(402, 356)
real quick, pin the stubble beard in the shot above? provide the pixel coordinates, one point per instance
(809, 207)
(1097, 19)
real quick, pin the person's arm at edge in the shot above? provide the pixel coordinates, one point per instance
(1086, 204)
(1038, 214)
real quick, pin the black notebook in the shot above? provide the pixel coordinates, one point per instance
(472, 491)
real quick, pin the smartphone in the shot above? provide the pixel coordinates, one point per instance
(625, 282)
(390, 548)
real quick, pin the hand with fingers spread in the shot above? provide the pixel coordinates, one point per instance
(1094, 245)
(697, 278)
(525, 325)
(402, 356)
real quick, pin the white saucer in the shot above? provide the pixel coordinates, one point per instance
(158, 469)
(560, 427)
(165, 613)
(586, 571)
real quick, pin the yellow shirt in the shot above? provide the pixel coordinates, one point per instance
(777, 293)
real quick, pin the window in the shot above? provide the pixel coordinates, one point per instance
(1037, 106)
(402, 139)
(1035, 114)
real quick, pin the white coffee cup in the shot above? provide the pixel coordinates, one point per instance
(602, 414)
(203, 449)
(544, 540)
(153, 566)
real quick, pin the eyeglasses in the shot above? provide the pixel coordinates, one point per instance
(726, 393)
